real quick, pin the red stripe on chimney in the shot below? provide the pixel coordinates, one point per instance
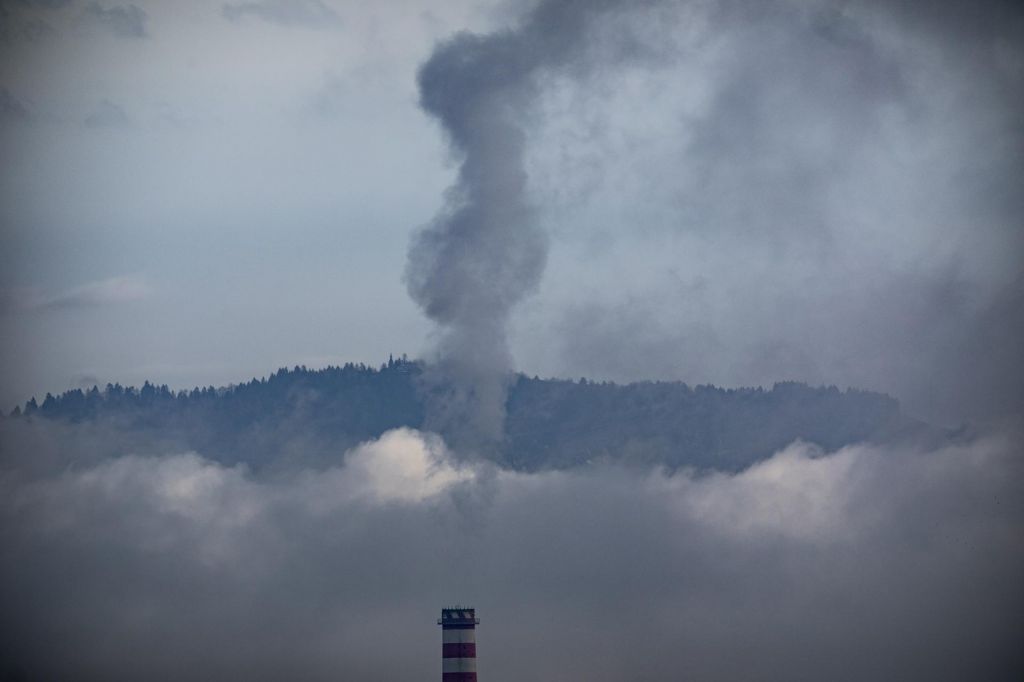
(466, 650)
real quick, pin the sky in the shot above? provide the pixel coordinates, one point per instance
(736, 192)
(197, 193)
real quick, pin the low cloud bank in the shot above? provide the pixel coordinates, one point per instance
(880, 562)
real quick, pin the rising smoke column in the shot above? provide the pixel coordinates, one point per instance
(484, 252)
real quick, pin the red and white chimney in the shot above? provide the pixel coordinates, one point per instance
(458, 644)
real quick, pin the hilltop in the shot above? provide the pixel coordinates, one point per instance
(316, 414)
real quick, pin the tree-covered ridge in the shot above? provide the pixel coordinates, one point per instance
(373, 399)
(561, 423)
(315, 414)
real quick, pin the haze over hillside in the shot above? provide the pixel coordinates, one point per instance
(550, 423)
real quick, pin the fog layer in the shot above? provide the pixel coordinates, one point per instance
(866, 563)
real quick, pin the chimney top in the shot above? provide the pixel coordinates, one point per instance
(458, 615)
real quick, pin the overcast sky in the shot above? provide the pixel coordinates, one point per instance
(736, 193)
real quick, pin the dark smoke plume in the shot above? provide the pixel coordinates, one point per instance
(484, 252)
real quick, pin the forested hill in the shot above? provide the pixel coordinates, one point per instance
(314, 415)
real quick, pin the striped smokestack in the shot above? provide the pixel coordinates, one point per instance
(458, 644)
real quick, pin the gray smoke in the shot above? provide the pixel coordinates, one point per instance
(485, 252)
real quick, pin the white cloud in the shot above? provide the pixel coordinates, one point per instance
(404, 465)
(798, 493)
